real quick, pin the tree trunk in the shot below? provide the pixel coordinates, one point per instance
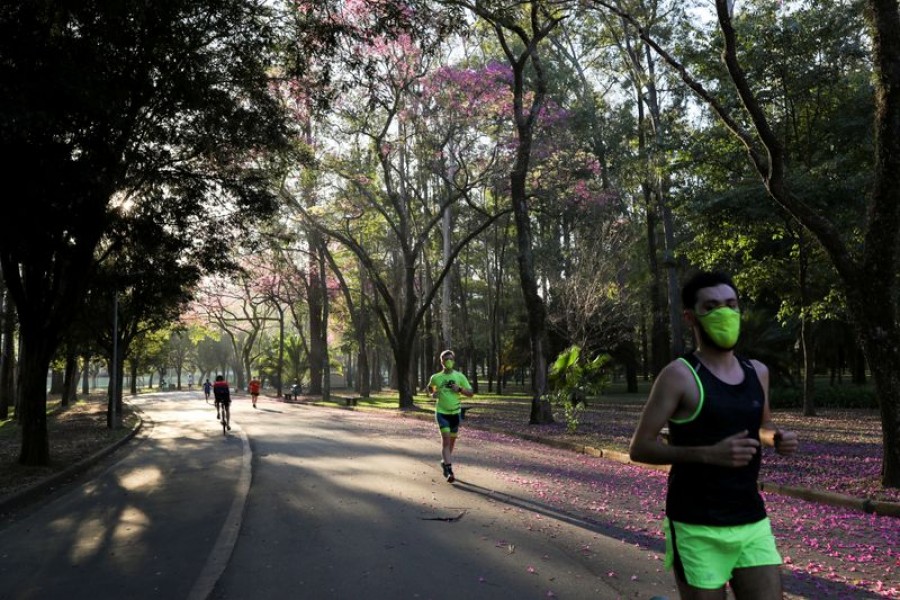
(879, 340)
(446, 288)
(405, 389)
(316, 324)
(362, 334)
(85, 375)
(859, 367)
(279, 389)
(375, 372)
(114, 389)
(541, 412)
(8, 359)
(134, 376)
(34, 363)
(326, 358)
(809, 368)
(69, 379)
(56, 381)
(659, 340)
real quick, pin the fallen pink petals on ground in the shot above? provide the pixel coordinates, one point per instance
(828, 552)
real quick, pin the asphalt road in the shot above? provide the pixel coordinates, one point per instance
(305, 502)
(347, 505)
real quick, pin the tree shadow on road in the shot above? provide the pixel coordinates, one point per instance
(552, 512)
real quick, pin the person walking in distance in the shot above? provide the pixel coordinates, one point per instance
(716, 406)
(253, 388)
(446, 387)
(223, 401)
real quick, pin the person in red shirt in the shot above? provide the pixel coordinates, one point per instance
(254, 390)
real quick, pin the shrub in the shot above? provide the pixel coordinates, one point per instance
(572, 380)
(832, 396)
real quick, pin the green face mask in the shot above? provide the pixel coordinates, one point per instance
(722, 325)
(449, 363)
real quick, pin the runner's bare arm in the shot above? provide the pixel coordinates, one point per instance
(666, 398)
(674, 394)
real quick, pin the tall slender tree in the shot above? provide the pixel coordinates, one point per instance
(520, 29)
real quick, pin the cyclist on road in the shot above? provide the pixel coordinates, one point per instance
(223, 401)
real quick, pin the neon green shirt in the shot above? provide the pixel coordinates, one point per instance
(447, 400)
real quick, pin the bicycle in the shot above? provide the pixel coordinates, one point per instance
(226, 418)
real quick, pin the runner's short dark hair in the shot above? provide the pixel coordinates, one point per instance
(704, 279)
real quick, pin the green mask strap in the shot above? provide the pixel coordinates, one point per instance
(699, 387)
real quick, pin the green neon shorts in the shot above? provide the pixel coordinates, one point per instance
(705, 555)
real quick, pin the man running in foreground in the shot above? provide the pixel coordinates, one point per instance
(445, 387)
(716, 405)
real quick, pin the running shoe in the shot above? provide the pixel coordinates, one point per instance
(448, 472)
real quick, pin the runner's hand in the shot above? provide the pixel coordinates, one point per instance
(734, 451)
(786, 442)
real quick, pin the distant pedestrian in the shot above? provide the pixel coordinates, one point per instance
(190, 381)
(207, 388)
(223, 401)
(253, 388)
(446, 387)
(716, 406)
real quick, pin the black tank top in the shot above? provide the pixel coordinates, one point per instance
(708, 494)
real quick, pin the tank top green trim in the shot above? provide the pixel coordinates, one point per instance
(699, 387)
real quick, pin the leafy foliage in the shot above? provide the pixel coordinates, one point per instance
(572, 379)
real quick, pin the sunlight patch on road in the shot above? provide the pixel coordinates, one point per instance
(89, 541)
(138, 478)
(132, 522)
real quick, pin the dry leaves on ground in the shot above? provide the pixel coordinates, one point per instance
(75, 433)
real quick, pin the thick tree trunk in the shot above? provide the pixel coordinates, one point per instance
(134, 377)
(33, 364)
(405, 389)
(375, 381)
(362, 372)
(881, 333)
(883, 353)
(56, 381)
